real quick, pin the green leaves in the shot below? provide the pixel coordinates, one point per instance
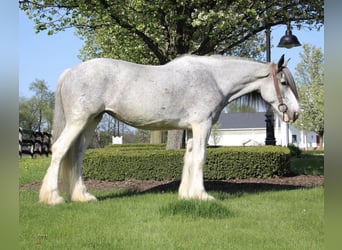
(157, 31)
(36, 112)
(310, 78)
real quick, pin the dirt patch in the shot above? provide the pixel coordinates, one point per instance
(251, 184)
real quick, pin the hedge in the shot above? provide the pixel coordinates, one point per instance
(153, 162)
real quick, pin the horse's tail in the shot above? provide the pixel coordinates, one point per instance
(59, 123)
(59, 116)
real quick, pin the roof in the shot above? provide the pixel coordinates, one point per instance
(242, 120)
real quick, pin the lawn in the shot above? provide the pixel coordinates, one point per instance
(282, 219)
(308, 163)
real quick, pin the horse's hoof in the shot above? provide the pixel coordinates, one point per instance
(203, 196)
(207, 197)
(183, 197)
(85, 197)
(51, 199)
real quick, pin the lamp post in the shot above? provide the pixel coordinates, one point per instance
(287, 41)
(270, 139)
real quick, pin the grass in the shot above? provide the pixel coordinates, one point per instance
(32, 170)
(283, 219)
(308, 164)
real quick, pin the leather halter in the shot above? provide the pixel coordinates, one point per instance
(282, 107)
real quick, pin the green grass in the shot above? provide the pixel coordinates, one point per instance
(32, 170)
(308, 164)
(283, 219)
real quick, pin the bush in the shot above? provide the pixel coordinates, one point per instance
(123, 163)
(153, 162)
(246, 162)
(294, 150)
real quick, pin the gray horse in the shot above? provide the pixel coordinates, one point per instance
(187, 93)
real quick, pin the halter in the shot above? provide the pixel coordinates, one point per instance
(282, 107)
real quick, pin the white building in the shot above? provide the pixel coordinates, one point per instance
(249, 129)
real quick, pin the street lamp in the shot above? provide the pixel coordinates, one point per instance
(288, 41)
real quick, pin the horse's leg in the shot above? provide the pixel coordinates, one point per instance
(49, 192)
(196, 188)
(77, 189)
(185, 184)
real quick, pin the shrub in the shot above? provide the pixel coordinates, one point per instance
(135, 146)
(122, 164)
(156, 163)
(246, 162)
(294, 150)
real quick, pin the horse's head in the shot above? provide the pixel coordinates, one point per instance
(281, 92)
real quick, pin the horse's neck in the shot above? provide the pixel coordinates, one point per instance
(240, 77)
(243, 90)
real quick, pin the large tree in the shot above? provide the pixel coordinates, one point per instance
(310, 78)
(36, 113)
(156, 31)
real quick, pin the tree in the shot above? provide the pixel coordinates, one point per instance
(310, 78)
(27, 118)
(157, 31)
(107, 128)
(36, 113)
(142, 136)
(310, 69)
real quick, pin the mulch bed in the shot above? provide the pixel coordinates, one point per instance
(251, 184)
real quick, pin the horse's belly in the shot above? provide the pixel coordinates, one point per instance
(151, 114)
(153, 122)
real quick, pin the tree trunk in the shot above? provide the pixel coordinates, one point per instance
(156, 137)
(321, 141)
(175, 139)
(40, 120)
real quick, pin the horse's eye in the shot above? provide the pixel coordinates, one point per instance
(283, 79)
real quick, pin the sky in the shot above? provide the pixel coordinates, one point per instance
(45, 57)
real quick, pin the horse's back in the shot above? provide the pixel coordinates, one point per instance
(143, 95)
(103, 74)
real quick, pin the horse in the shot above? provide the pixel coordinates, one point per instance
(189, 92)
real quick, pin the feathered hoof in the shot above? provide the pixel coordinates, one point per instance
(206, 197)
(50, 198)
(203, 196)
(83, 197)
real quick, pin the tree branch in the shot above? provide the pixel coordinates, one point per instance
(147, 40)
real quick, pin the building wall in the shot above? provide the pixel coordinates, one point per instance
(246, 137)
(284, 134)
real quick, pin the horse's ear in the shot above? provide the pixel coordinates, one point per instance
(281, 62)
(285, 63)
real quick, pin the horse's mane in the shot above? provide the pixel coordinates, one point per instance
(291, 81)
(236, 58)
(218, 56)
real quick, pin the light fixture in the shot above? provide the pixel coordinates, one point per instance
(288, 41)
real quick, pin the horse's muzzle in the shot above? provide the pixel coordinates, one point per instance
(295, 116)
(287, 119)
